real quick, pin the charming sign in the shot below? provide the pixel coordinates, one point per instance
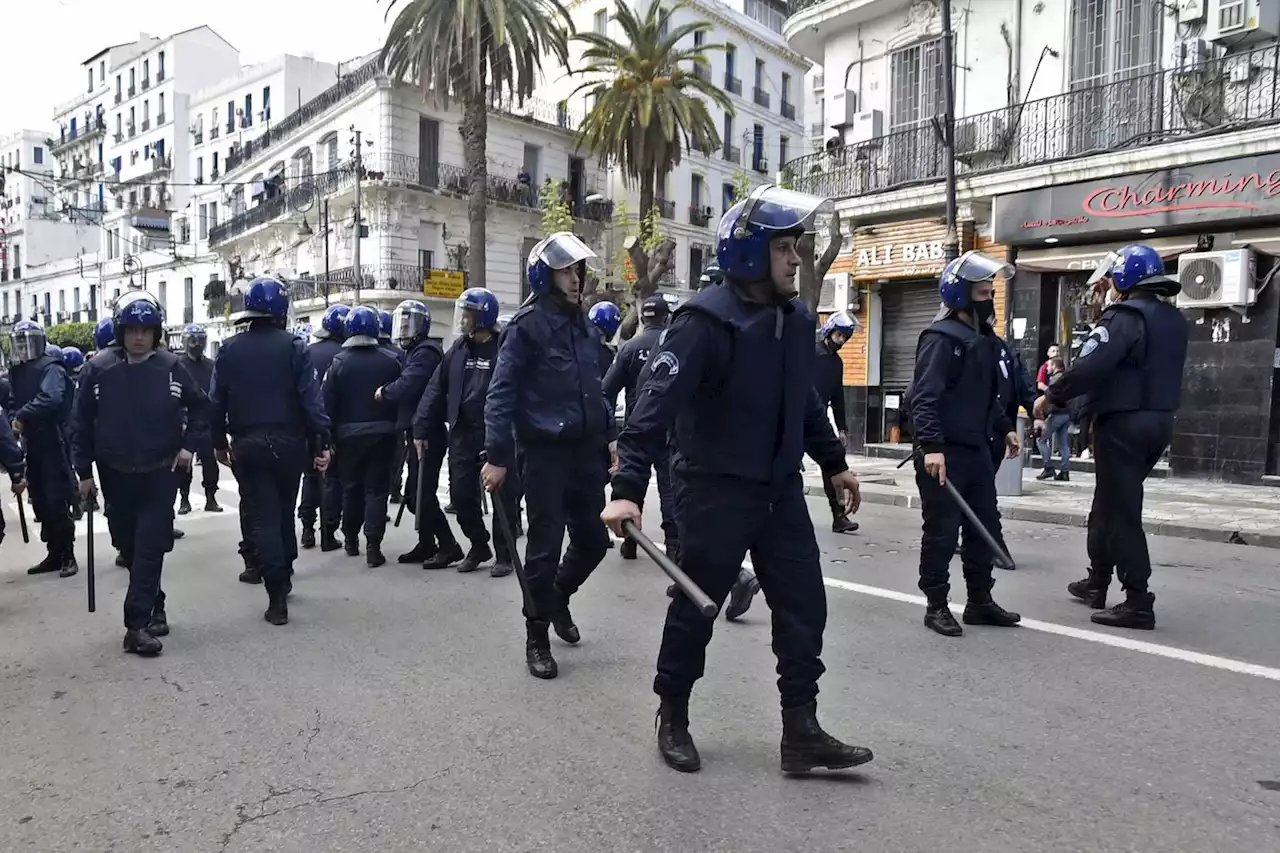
(1223, 191)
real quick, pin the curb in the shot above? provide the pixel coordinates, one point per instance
(1079, 519)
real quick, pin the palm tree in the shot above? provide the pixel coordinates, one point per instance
(648, 109)
(477, 52)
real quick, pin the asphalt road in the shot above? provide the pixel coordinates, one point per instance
(394, 712)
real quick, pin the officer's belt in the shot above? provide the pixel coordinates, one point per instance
(141, 469)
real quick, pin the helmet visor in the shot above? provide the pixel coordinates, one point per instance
(841, 321)
(975, 266)
(562, 250)
(408, 322)
(464, 320)
(1105, 267)
(27, 345)
(773, 208)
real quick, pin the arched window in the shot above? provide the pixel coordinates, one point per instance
(328, 150)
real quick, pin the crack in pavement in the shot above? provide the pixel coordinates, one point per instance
(314, 733)
(244, 818)
(174, 684)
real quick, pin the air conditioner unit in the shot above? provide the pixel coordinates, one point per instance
(1240, 22)
(866, 127)
(1187, 55)
(1217, 279)
(835, 293)
(978, 138)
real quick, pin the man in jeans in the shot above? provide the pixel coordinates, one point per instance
(1057, 427)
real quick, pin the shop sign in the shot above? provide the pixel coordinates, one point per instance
(910, 253)
(900, 250)
(1204, 193)
(444, 284)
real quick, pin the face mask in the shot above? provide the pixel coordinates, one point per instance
(985, 311)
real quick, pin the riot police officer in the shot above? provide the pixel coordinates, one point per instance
(954, 400)
(606, 317)
(41, 407)
(323, 491)
(734, 376)
(624, 377)
(385, 338)
(829, 383)
(1130, 372)
(545, 394)
(139, 418)
(73, 360)
(194, 341)
(269, 421)
(364, 430)
(456, 396)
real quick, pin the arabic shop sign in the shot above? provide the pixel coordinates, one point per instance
(1224, 191)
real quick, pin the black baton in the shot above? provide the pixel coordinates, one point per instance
(509, 534)
(22, 518)
(422, 484)
(1001, 557)
(408, 445)
(691, 590)
(89, 504)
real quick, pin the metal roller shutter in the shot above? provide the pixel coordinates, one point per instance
(906, 308)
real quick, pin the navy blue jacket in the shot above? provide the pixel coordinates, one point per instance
(736, 378)
(393, 349)
(349, 386)
(11, 458)
(829, 383)
(40, 396)
(1132, 360)
(322, 353)
(6, 395)
(623, 375)
(201, 370)
(442, 403)
(264, 380)
(547, 382)
(954, 394)
(606, 357)
(136, 417)
(406, 392)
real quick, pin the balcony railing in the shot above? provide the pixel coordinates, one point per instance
(702, 72)
(732, 84)
(666, 207)
(400, 277)
(146, 125)
(133, 90)
(160, 119)
(731, 154)
(761, 97)
(772, 15)
(788, 110)
(1215, 97)
(700, 215)
(160, 76)
(278, 205)
(146, 83)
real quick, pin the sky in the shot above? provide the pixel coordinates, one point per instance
(45, 42)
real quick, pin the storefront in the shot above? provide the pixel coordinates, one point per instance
(1227, 428)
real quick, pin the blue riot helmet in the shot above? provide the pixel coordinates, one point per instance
(333, 323)
(104, 334)
(302, 332)
(837, 330)
(73, 358)
(54, 351)
(27, 341)
(194, 339)
(362, 327)
(960, 275)
(477, 309)
(1137, 266)
(710, 275)
(142, 310)
(267, 297)
(384, 325)
(655, 311)
(410, 322)
(606, 317)
(557, 252)
(746, 229)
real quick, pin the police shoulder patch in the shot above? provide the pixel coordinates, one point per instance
(668, 360)
(1102, 334)
(662, 337)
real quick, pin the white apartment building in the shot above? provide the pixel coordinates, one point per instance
(764, 79)
(33, 227)
(285, 200)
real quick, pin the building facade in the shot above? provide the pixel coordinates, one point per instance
(1063, 151)
(764, 80)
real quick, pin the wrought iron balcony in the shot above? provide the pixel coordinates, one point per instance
(702, 72)
(761, 97)
(146, 83)
(1215, 97)
(788, 110)
(133, 90)
(700, 215)
(666, 207)
(731, 154)
(279, 205)
(399, 277)
(160, 76)
(732, 84)
(511, 191)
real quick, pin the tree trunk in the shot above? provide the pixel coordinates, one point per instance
(649, 269)
(813, 269)
(475, 132)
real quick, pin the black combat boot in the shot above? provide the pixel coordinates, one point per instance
(476, 557)
(1062, 477)
(501, 568)
(982, 610)
(448, 554)
(742, 593)
(184, 504)
(373, 555)
(628, 549)
(159, 624)
(805, 746)
(417, 554)
(211, 502)
(1136, 611)
(1092, 590)
(308, 537)
(351, 545)
(51, 563)
(562, 620)
(937, 614)
(137, 642)
(673, 552)
(1046, 474)
(537, 650)
(329, 540)
(675, 744)
(277, 608)
(178, 534)
(251, 574)
(841, 523)
(122, 562)
(67, 566)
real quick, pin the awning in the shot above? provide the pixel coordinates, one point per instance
(150, 223)
(1078, 258)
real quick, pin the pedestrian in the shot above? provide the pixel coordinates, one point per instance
(829, 383)
(734, 376)
(954, 400)
(1130, 372)
(1057, 430)
(139, 418)
(1042, 375)
(322, 491)
(364, 430)
(12, 461)
(41, 410)
(624, 377)
(456, 397)
(269, 424)
(194, 341)
(545, 395)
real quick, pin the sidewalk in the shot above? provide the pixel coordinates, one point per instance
(1188, 509)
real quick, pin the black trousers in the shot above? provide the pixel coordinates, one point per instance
(49, 484)
(322, 494)
(246, 547)
(433, 524)
(141, 522)
(969, 470)
(364, 464)
(722, 519)
(466, 492)
(269, 466)
(397, 463)
(967, 551)
(668, 500)
(208, 471)
(1126, 447)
